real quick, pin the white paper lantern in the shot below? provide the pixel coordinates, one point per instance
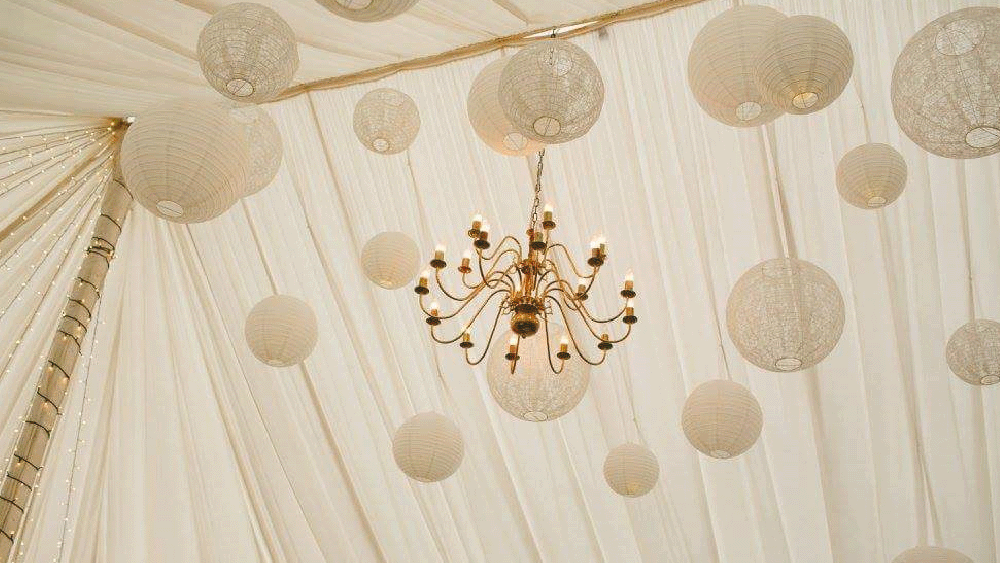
(185, 160)
(552, 91)
(247, 52)
(946, 84)
(367, 10)
(973, 352)
(631, 470)
(264, 139)
(722, 63)
(386, 121)
(533, 392)
(487, 116)
(871, 175)
(804, 64)
(281, 330)
(722, 419)
(785, 314)
(428, 447)
(930, 554)
(390, 259)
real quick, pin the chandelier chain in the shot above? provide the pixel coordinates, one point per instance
(533, 219)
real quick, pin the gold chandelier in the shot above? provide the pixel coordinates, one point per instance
(530, 288)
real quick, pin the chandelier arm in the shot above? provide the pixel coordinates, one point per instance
(462, 306)
(587, 321)
(493, 262)
(499, 247)
(492, 283)
(569, 260)
(489, 341)
(548, 353)
(582, 307)
(590, 280)
(475, 288)
(468, 325)
(572, 337)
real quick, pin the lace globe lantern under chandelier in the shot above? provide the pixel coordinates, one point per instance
(428, 447)
(931, 554)
(722, 63)
(973, 352)
(946, 85)
(871, 175)
(390, 259)
(552, 91)
(281, 330)
(631, 470)
(785, 315)
(367, 10)
(248, 53)
(722, 419)
(487, 116)
(386, 121)
(264, 139)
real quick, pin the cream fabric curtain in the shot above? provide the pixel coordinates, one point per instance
(188, 449)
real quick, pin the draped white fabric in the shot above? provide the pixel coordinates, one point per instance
(179, 446)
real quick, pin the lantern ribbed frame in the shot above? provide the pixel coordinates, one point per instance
(931, 554)
(973, 352)
(872, 175)
(386, 121)
(946, 85)
(533, 392)
(552, 91)
(804, 64)
(488, 118)
(631, 470)
(248, 53)
(367, 10)
(185, 160)
(266, 150)
(722, 63)
(785, 314)
(281, 330)
(722, 419)
(390, 259)
(428, 447)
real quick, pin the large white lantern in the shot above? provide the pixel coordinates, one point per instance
(264, 139)
(390, 259)
(247, 52)
(386, 121)
(428, 447)
(973, 352)
(487, 116)
(804, 64)
(931, 554)
(631, 470)
(552, 91)
(722, 419)
(533, 392)
(281, 330)
(871, 175)
(946, 84)
(722, 63)
(367, 10)
(185, 160)
(785, 314)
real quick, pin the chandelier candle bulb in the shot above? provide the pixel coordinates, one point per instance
(483, 242)
(438, 261)
(605, 343)
(466, 340)
(548, 222)
(477, 223)
(422, 283)
(563, 349)
(466, 257)
(581, 289)
(433, 319)
(512, 348)
(629, 318)
(537, 240)
(629, 291)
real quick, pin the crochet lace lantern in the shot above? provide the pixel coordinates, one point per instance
(973, 352)
(428, 447)
(930, 554)
(533, 392)
(390, 259)
(487, 116)
(367, 10)
(785, 314)
(185, 160)
(946, 85)
(722, 63)
(631, 470)
(247, 52)
(386, 121)
(804, 64)
(264, 139)
(722, 419)
(281, 331)
(552, 91)
(871, 175)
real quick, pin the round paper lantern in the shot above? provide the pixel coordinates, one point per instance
(185, 160)
(973, 352)
(247, 52)
(390, 259)
(487, 116)
(386, 121)
(533, 392)
(871, 175)
(804, 63)
(722, 63)
(428, 447)
(367, 10)
(631, 470)
(551, 91)
(281, 330)
(785, 314)
(722, 419)
(930, 554)
(946, 85)
(264, 139)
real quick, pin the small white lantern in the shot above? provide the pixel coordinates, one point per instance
(281, 330)
(428, 447)
(931, 554)
(871, 176)
(367, 10)
(264, 139)
(631, 470)
(386, 121)
(390, 259)
(722, 419)
(487, 116)
(973, 352)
